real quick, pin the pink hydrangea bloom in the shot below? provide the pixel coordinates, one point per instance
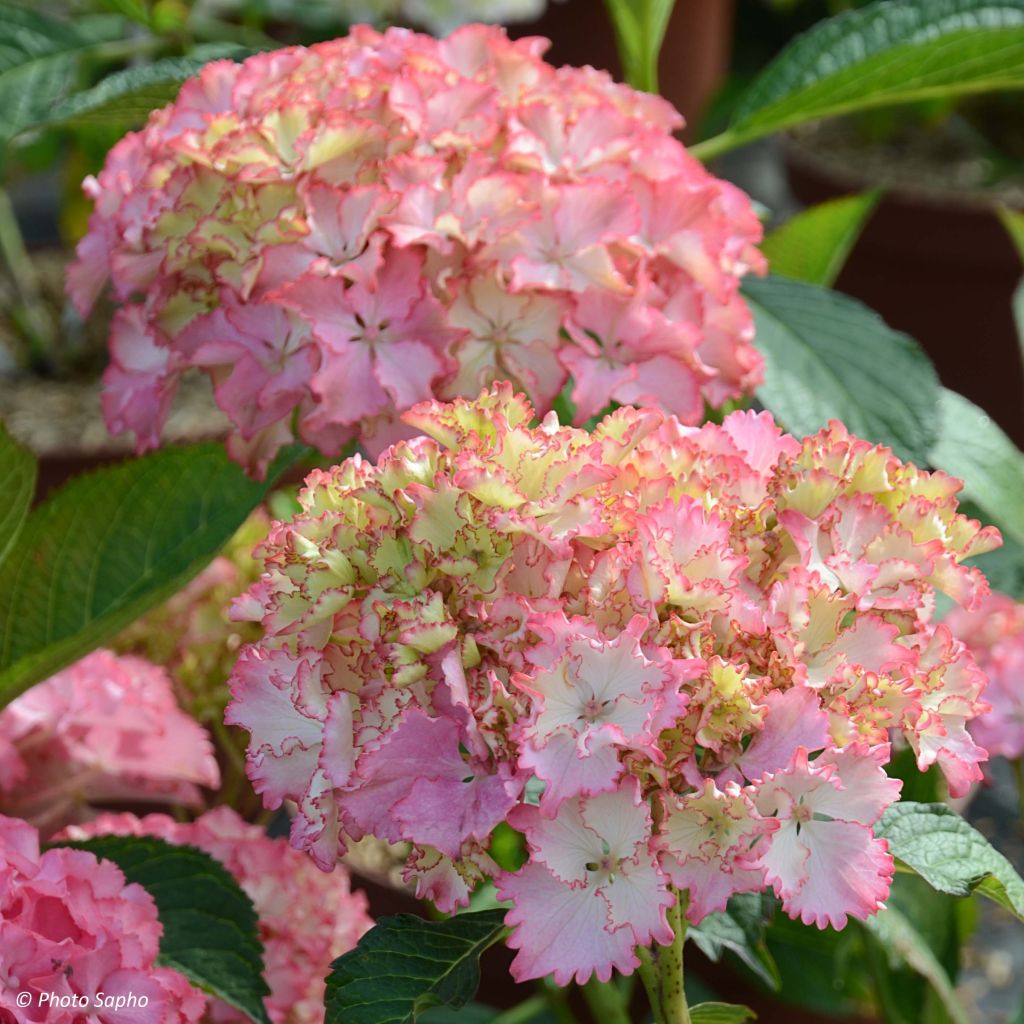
(670, 656)
(71, 928)
(338, 232)
(994, 634)
(106, 730)
(307, 917)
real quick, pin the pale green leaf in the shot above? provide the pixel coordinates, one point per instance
(828, 356)
(813, 245)
(18, 485)
(972, 447)
(880, 55)
(720, 1013)
(405, 965)
(210, 928)
(640, 30)
(739, 929)
(905, 945)
(109, 546)
(949, 854)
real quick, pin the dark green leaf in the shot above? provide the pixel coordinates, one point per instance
(640, 30)
(830, 357)
(109, 546)
(739, 929)
(406, 965)
(972, 447)
(38, 58)
(880, 55)
(905, 945)
(814, 245)
(18, 485)
(949, 854)
(128, 97)
(721, 1013)
(211, 932)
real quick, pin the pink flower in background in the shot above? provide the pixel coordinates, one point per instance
(307, 918)
(671, 656)
(338, 232)
(71, 926)
(994, 634)
(106, 730)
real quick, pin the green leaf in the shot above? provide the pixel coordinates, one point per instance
(38, 58)
(640, 30)
(949, 854)
(1014, 224)
(110, 545)
(18, 486)
(905, 945)
(128, 97)
(739, 929)
(406, 965)
(972, 447)
(880, 55)
(814, 245)
(720, 1013)
(211, 932)
(828, 356)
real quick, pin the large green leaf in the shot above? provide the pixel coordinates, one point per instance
(38, 59)
(720, 1013)
(828, 356)
(211, 932)
(813, 245)
(109, 546)
(18, 485)
(640, 30)
(971, 446)
(406, 965)
(904, 944)
(127, 97)
(883, 54)
(739, 929)
(949, 854)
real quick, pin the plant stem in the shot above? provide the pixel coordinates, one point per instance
(649, 976)
(557, 1002)
(662, 971)
(525, 1011)
(717, 145)
(605, 1002)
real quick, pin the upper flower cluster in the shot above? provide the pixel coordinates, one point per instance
(994, 634)
(72, 930)
(306, 918)
(107, 729)
(338, 232)
(668, 655)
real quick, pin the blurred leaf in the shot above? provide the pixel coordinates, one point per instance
(1004, 567)
(640, 30)
(18, 486)
(972, 447)
(880, 55)
(721, 1013)
(813, 245)
(38, 59)
(949, 854)
(904, 944)
(210, 928)
(112, 544)
(739, 929)
(133, 9)
(405, 965)
(128, 97)
(828, 356)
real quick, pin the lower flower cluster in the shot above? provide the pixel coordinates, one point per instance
(673, 658)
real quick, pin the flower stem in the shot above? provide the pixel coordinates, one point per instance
(605, 1002)
(662, 971)
(525, 1011)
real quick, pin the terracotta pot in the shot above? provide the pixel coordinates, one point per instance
(940, 267)
(694, 59)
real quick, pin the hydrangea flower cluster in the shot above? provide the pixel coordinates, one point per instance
(307, 918)
(339, 232)
(670, 656)
(106, 730)
(71, 929)
(994, 633)
(191, 634)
